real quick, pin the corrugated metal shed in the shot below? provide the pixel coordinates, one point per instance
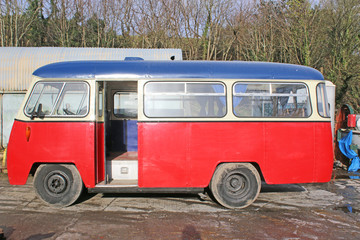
(17, 63)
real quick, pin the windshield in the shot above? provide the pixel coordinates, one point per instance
(59, 99)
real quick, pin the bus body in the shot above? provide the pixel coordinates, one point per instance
(150, 126)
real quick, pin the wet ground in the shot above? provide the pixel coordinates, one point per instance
(307, 211)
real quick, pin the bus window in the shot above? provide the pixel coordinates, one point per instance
(125, 104)
(73, 100)
(184, 99)
(59, 99)
(322, 103)
(271, 100)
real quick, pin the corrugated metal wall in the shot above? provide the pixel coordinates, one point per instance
(18, 64)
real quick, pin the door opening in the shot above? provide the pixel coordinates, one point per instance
(121, 133)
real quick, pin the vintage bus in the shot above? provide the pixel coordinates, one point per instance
(171, 126)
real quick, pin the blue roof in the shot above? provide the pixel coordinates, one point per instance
(176, 69)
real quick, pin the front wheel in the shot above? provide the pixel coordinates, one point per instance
(58, 184)
(235, 185)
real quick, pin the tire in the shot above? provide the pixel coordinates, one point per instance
(235, 185)
(58, 184)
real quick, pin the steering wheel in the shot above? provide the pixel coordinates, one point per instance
(68, 112)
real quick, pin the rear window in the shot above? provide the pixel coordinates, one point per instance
(62, 99)
(185, 99)
(322, 101)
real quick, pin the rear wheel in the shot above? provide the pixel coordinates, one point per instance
(58, 184)
(235, 185)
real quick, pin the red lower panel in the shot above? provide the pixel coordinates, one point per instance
(181, 154)
(51, 142)
(186, 154)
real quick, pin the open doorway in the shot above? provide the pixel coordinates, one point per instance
(121, 133)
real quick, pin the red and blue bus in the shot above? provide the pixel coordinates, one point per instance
(171, 126)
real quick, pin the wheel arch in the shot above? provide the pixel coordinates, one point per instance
(36, 165)
(255, 164)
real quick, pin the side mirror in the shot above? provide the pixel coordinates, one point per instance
(40, 112)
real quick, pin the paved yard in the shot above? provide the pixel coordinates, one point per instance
(306, 211)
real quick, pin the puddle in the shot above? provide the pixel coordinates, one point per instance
(347, 209)
(354, 177)
(343, 174)
(281, 188)
(347, 176)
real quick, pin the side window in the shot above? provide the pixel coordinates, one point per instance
(184, 99)
(125, 104)
(271, 100)
(59, 99)
(322, 102)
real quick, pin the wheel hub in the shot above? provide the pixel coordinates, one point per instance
(56, 183)
(235, 184)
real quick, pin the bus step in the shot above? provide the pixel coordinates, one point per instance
(122, 170)
(119, 183)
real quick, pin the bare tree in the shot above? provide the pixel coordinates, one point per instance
(342, 64)
(14, 22)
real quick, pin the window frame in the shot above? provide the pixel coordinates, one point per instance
(224, 94)
(270, 94)
(58, 98)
